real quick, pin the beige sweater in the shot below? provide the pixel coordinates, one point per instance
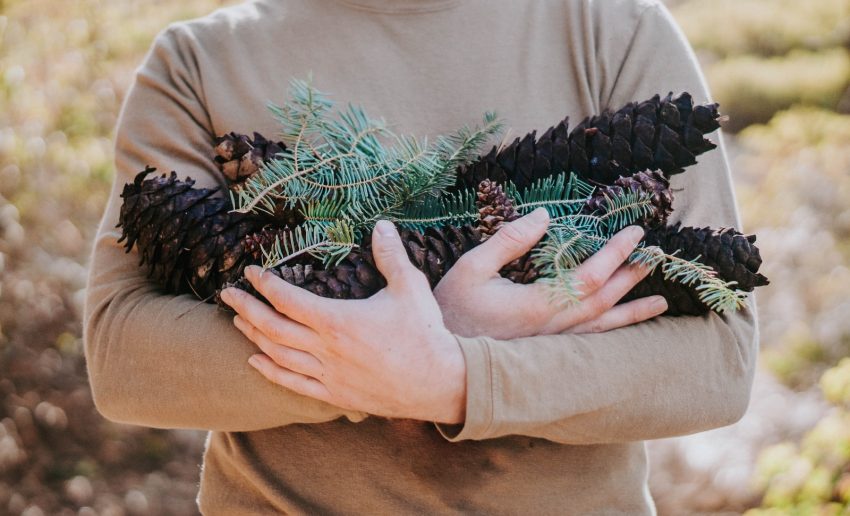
(554, 423)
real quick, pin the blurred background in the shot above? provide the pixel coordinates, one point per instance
(779, 68)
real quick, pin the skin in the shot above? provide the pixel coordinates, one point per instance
(327, 348)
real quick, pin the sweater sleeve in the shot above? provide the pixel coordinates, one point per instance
(663, 377)
(161, 360)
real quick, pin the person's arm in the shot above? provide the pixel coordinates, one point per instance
(663, 377)
(161, 360)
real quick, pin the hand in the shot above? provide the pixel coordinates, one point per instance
(477, 301)
(388, 355)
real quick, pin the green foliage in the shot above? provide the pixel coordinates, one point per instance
(800, 159)
(64, 70)
(751, 88)
(814, 476)
(344, 177)
(763, 27)
(349, 177)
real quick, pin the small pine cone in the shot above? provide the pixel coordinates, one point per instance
(255, 243)
(651, 182)
(657, 134)
(189, 240)
(494, 208)
(239, 157)
(731, 254)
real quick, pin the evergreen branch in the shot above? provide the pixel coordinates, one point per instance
(334, 241)
(626, 208)
(456, 209)
(562, 195)
(713, 291)
(463, 146)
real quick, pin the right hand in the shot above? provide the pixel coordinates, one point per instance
(476, 300)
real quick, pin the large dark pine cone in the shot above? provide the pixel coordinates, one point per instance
(356, 276)
(731, 254)
(188, 239)
(239, 157)
(657, 134)
(652, 182)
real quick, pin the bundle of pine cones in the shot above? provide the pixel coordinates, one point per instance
(191, 241)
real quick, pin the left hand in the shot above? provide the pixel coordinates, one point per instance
(388, 355)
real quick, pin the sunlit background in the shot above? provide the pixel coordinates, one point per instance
(781, 72)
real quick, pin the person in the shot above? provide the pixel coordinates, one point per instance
(472, 399)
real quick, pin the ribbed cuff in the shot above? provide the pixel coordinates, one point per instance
(479, 393)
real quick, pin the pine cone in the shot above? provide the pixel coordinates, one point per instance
(657, 134)
(725, 250)
(239, 157)
(357, 277)
(255, 243)
(188, 239)
(494, 209)
(650, 182)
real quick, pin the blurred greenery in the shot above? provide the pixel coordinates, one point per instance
(814, 476)
(764, 27)
(781, 72)
(64, 70)
(780, 69)
(752, 88)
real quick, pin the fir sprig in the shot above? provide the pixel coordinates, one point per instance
(343, 175)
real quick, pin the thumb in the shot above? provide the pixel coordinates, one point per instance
(511, 241)
(390, 256)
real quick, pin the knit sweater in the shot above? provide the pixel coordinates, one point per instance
(554, 424)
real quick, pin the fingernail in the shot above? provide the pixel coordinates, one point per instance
(254, 360)
(252, 272)
(385, 228)
(635, 233)
(540, 215)
(659, 304)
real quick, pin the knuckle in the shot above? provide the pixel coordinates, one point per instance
(637, 314)
(279, 355)
(597, 327)
(272, 331)
(276, 295)
(511, 236)
(591, 281)
(596, 305)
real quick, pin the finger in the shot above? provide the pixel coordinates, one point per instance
(275, 326)
(294, 359)
(617, 286)
(622, 315)
(511, 241)
(391, 258)
(289, 379)
(595, 271)
(295, 302)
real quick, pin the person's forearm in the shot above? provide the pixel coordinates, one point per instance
(664, 377)
(161, 360)
(170, 362)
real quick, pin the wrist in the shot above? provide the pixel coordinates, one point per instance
(450, 383)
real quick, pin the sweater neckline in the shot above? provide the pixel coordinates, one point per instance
(400, 6)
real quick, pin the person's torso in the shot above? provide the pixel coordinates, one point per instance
(425, 72)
